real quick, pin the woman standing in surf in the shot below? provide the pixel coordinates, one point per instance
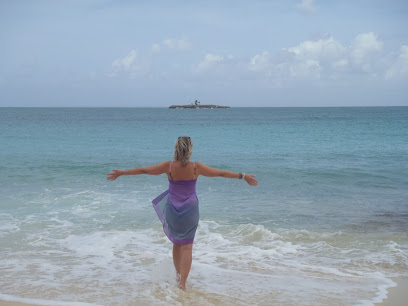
(177, 207)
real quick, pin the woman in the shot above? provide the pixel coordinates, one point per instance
(177, 207)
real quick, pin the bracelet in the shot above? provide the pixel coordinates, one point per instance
(243, 175)
(240, 176)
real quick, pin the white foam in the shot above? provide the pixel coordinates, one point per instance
(381, 294)
(234, 263)
(8, 224)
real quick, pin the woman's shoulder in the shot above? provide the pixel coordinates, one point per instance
(200, 165)
(167, 162)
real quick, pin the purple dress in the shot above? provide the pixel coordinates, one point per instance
(177, 209)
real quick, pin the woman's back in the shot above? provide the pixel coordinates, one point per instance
(177, 172)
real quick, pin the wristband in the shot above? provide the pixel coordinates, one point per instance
(243, 175)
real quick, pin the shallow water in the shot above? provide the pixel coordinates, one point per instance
(327, 223)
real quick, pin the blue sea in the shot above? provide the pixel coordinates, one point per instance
(327, 224)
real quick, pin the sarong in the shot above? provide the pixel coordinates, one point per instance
(177, 209)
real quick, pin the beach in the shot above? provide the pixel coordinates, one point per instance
(396, 296)
(327, 223)
(5, 303)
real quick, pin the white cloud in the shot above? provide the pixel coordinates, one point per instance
(321, 59)
(260, 62)
(404, 54)
(323, 48)
(326, 58)
(177, 44)
(308, 69)
(311, 58)
(307, 6)
(131, 64)
(210, 61)
(172, 44)
(364, 48)
(340, 64)
(156, 48)
(400, 67)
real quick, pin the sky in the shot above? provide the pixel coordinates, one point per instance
(100, 53)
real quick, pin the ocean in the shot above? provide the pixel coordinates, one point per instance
(327, 224)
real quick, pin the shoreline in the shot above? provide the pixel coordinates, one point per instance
(396, 296)
(7, 303)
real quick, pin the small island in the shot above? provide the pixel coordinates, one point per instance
(197, 104)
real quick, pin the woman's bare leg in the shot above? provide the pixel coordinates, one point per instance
(185, 263)
(176, 259)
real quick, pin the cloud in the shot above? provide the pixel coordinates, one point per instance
(309, 60)
(318, 49)
(210, 61)
(365, 46)
(400, 67)
(307, 6)
(178, 44)
(156, 48)
(260, 62)
(323, 59)
(312, 57)
(132, 64)
(326, 59)
(172, 44)
(221, 69)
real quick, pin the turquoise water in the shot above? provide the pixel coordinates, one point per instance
(327, 222)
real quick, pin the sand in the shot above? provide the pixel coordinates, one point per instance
(397, 296)
(4, 303)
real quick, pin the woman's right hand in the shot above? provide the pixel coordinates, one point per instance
(114, 175)
(250, 179)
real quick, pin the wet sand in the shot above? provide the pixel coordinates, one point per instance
(397, 296)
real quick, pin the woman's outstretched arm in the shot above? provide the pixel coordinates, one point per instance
(205, 170)
(151, 170)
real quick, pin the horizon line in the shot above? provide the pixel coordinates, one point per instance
(165, 107)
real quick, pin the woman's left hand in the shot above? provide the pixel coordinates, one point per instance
(114, 175)
(250, 179)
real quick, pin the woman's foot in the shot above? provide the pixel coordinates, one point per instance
(178, 279)
(182, 287)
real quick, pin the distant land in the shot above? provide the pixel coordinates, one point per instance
(197, 104)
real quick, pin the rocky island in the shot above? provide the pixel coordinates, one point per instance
(197, 104)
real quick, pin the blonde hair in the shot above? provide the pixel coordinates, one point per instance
(183, 149)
